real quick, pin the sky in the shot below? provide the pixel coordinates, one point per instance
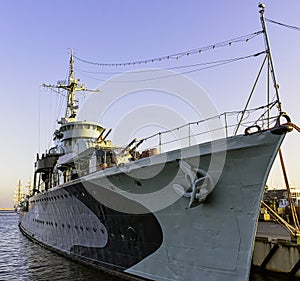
(36, 38)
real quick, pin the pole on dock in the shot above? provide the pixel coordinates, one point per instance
(292, 205)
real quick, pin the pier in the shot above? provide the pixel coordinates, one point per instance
(7, 210)
(275, 250)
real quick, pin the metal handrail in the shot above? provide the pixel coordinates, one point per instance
(229, 122)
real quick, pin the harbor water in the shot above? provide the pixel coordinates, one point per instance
(21, 259)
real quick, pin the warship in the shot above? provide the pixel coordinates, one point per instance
(95, 202)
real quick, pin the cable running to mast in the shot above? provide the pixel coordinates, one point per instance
(227, 43)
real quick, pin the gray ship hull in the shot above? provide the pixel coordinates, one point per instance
(95, 219)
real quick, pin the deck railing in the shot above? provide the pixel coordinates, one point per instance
(220, 126)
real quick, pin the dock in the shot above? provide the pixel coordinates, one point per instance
(275, 250)
(7, 210)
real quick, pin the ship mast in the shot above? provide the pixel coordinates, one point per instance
(19, 193)
(72, 87)
(269, 55)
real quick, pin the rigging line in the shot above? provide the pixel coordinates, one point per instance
(39, 118)
(251, 110)
(57, 91)
(60, 100)
(263, 114)
(283, 24)
(49, 120)
(181, 73)
(60, 106)
(156, 70)
(245, 38)
(250, 96)
(57, 107)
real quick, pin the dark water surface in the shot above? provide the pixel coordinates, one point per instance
(21, 259)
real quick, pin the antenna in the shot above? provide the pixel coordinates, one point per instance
(72, 87)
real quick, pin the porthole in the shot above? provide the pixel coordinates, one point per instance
(131, 233)
(121, 235)
(138, 183)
